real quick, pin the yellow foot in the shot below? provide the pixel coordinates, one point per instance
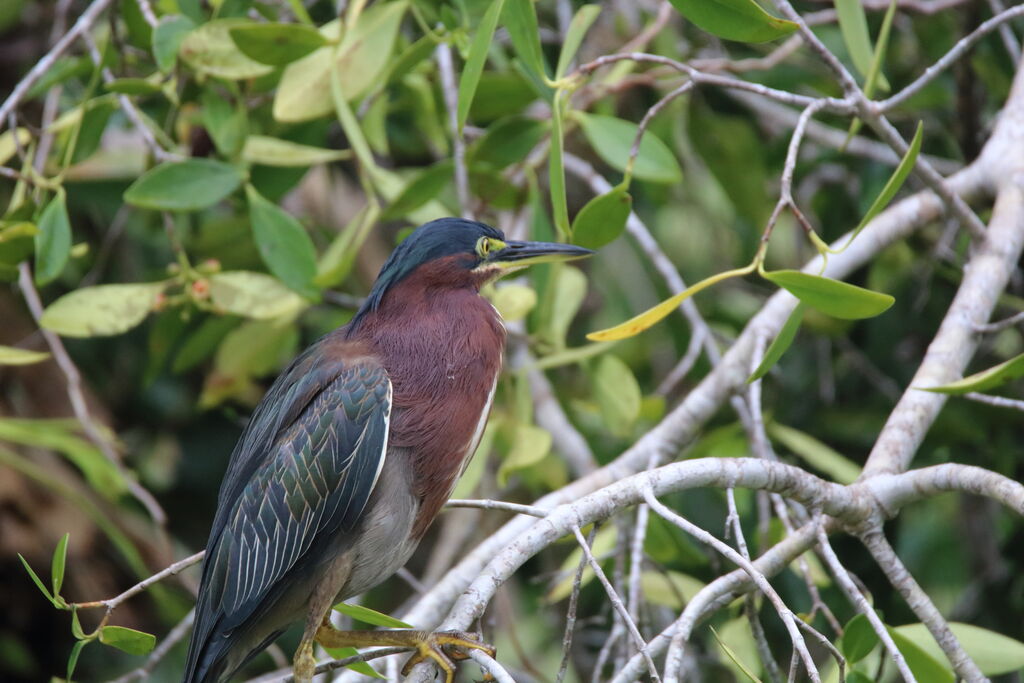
(304, 664)
(443, 649)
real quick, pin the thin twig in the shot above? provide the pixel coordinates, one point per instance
(443, 55)
(570, 613)
(999, 401)
(171, 570)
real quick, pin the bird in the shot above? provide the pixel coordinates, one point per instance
(353, 451)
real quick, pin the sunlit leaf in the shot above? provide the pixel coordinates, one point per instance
(336, 261)
(261, 149)
(984, 380)
(53, 241)
(478, 50)
(832, 297)
(602, 219)
(283, 243)
(617, 393)
(578, 27)
(853, 24)
(603, 544)
(612, 138)
(127, 639)
(102, 310)
(530, 444)
(570, 287)
(815, 453)
(994, 653)
(737, 627)
(520, 18)
(133, 86)
(924, 666)
(276, 44)
(783, 340)
(226, 123)
(209, 50)
(9, 144)
(513, 301)
(369, 616)
(253, 295)
(184, 185)
(10, 355)
(742, 20)
(670, 589)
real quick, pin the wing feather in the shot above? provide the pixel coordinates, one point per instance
(301, 474)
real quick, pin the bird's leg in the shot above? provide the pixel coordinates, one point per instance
(304, 663)
(441, 647)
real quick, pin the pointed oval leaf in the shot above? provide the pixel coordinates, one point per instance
(101, 310)
(423, 187)
(783, 340)
(261, 149)
(578, 27)
(612, 138)
(283, 243)
(618, 394)
(304, 92)
(570, 290)
(832, 297)
(167, 38)
(10, 355)
(127, 639)
(210, 50)
(53, 241)
(520, 18)
(478, 50)
(133, 86)
(815, 453)
(187, 185)
(858, 640)
(10, 141)
(513, 301)
(60, 558)
(853, 24)
(73, 657)
(37, 581)
(602, 219)
(530, 444)
(994, 653)
(741, 20)
(253, 295)
(508, 141)
(276, 44)
(370, 616)
(984, 380)
(923, 665)
(895, 182)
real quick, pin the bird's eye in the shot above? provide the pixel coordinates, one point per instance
(483, 246)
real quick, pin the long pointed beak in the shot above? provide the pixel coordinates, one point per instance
(517, 254)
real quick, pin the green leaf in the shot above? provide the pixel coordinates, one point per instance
(304, 92)
(133, 86)
(612, 138)
(832, 297)
(602, 219)
(253, 295)
(10, 355)
(570, 287)
(228, 125)
(260, 149)
(984, 380)
(167, 38)
(187, 185)
(815, 453)
(556, 168)
(60, 558)
(38, 581)
(424, 187)
(520, 18)
(477, 57)
(101, 310)
(513, 301)
(670, 588)
(994, 653)
(359, 667)
(73, 658)
(604, 543)
(530, 444)
(618, 394)
(742, 20)
(780, 344)
(53, 241)
(858, 640)
(853, 24)
(895, 182)
(730, 653)
(210, 51)
(924, 666)
(369, 616)
(337, 260)
(508, 141)
(127, 639)
(8, 145)
(283, 243)
(276, 44)
(255, 348)
(578, 27)
(875, 70)
(858, 677)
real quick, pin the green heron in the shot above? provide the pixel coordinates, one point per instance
(354, 450)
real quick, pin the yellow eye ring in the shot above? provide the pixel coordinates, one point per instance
(483, 246)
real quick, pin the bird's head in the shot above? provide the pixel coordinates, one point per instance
(458, 253)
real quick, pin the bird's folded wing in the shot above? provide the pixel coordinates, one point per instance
(324, 431)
